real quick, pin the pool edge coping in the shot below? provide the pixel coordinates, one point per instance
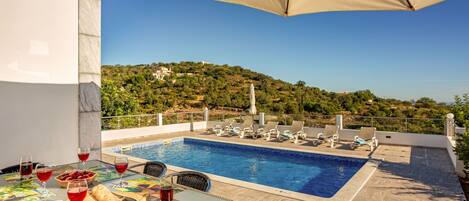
(347, 192)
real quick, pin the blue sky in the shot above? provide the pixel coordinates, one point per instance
(395, 54)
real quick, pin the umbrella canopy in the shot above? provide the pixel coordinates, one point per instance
(298, 7)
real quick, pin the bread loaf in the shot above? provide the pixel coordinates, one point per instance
(101, 193)
(89, 198)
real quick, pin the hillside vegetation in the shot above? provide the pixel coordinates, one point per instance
(134, 89)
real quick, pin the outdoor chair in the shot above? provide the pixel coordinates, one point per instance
(269, 131)
(366, 136)
(295, 133)
(152, 168)
(192, 179)
(15, 168)
(220, 129)
(330, 133)
(246, 129)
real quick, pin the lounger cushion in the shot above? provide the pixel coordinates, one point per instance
(360, 141)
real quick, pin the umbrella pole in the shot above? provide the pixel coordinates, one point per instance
(410, 5)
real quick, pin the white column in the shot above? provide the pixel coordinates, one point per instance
(261, 119)
(89, 75)
(160, 119)
(338, 121)
(449, 125)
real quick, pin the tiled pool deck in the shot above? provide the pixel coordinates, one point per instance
(407, 173)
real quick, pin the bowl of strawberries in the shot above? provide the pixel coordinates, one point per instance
(67, 176)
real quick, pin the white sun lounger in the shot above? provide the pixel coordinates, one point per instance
(220, 129)
(366, 136)
(246, 129)
(330, 133)
(269, 131)
(295, 133)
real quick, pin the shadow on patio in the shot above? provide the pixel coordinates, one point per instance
(412, 173)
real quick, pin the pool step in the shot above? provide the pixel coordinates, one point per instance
(125, 148)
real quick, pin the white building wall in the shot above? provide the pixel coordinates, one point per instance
(38, 80)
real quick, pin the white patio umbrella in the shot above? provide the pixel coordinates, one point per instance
(298, 7)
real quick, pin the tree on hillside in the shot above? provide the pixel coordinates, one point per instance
(460, 109)
(116, 100)
(133, 89)
(425, 102)
(300, 86)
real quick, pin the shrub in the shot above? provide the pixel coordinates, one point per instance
(462, 148)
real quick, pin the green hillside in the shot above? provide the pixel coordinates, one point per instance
(136, 90)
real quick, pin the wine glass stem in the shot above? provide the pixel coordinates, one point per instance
(121, 182)
(44, 189)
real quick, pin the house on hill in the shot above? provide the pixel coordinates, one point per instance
(162, 72)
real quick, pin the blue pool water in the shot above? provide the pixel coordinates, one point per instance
(314, 174)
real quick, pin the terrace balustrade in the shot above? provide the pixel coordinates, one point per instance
(392, 124)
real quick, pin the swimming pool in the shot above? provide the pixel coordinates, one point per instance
(309, 173)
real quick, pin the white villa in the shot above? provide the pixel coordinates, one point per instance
(50, 104)
(162, 72)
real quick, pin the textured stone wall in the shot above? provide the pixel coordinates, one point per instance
(89, 66)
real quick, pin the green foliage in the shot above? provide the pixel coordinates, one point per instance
(462, 147)
(425, 102)
(116, 100)
(460, 109)
(133, 89)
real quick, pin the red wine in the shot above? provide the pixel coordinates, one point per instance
(121, 167)
(83, 156)
(77, 194)
(26, 168)
(166, 193)
(44, 174)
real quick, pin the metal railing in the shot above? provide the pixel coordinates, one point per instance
(311, 120)
(145, 120)
(182, 117)
(221, 116)
(394, 124)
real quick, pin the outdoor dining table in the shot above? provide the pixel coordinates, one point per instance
(11, 189)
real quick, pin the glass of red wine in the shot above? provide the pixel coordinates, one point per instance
(43, 173)
(77, 189)
(121, 163)
(166, 193)
(26, 167)
(83, 155)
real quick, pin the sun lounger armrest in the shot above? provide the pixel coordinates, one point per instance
(374, 140)
(320, 135)
(334, 139)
